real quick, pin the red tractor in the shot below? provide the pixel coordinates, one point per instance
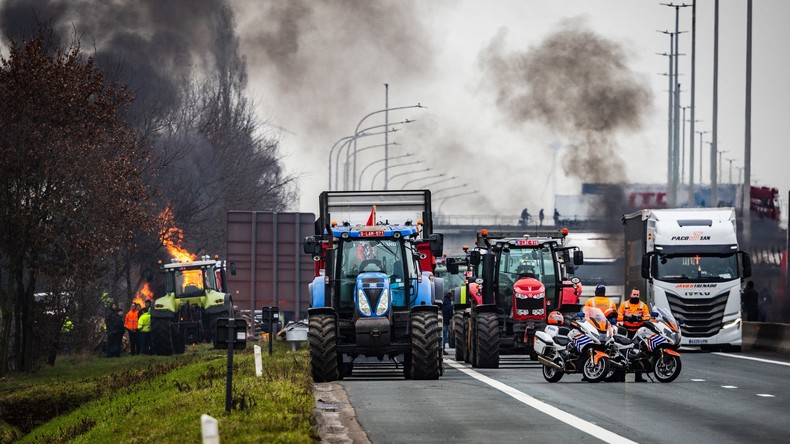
(515, 282)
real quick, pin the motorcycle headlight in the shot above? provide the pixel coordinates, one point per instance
(362, 301)
(384, 302)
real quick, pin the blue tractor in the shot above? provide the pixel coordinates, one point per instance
(374, 293)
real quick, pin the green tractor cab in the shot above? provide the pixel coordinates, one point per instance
(195, 297)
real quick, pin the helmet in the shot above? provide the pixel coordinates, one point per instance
(555, 318)
(600, 290)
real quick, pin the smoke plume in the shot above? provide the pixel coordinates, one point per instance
(578, 85)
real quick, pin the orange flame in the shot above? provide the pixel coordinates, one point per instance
(172, 237)
(143, 294)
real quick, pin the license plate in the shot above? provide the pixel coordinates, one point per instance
(698, 341)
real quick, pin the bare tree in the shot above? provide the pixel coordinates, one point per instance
(72, 190)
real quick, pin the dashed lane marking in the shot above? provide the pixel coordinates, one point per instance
(573, 421)
(729, 386)
(765, 395)
(697, 380)
(751, 358)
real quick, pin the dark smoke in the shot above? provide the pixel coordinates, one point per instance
(332, 55)
(153, 46)
(577, 84)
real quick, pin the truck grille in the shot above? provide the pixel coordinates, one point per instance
(702, 316)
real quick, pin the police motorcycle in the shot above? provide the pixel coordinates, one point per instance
(652, 349)
(575, 346)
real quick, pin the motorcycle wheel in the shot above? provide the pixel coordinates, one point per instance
(551, 374)
(667, 368)
(595, 372)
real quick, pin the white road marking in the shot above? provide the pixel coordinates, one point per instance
(698, 380)
(585, 426)
(729, 387)
(765, 395)
(751, 358)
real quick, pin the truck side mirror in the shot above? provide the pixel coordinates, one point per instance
(436, 241)
(578, 257)
(746, 260)
(474, 258)
(646, 266)
(233, 269)
(312, 246)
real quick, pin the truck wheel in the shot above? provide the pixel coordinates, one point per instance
(460, 336)
(161, 337)
(322, 339)
(426, 345)
(487, 341)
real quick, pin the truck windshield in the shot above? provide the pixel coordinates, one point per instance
(696, 267)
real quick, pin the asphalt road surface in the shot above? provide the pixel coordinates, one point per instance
(718, 398)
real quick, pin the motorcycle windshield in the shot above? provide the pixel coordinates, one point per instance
(666, 317)
(595, 316)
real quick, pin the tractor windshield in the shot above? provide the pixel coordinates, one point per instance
(373, 255)
(516, 263)
(189, 282)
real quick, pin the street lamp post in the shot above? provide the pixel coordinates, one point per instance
(376, 176)
(401, 174)
(363, 133)
(720, 152)
(701, 134)
(362, 173)
(348, 140)
(730, 160)
(446, 198)
(419, 179)
(356, 131)
(438, 182)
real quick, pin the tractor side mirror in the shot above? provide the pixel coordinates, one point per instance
(149, 275)
(233, 269)
(312, 246)
(578, 257)
(436, 241)
(474, 258)
(452, 268)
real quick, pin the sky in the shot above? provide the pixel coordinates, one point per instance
(479, 69)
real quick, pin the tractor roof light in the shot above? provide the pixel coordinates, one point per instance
(484, 232)
(565, 231)
(333, 224)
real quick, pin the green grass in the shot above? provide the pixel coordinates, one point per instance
(165, 406)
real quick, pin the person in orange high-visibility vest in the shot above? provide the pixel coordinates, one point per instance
(130, 322)
(633, 313)
(607, 306)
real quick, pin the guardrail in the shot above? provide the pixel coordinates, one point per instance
(766, 336)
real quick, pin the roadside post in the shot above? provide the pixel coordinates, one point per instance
(272, 315)
(230, 333)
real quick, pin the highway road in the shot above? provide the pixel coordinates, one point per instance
(718, 398)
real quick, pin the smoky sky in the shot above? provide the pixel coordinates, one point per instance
(324, 63)
(578, 84)
(152, 46)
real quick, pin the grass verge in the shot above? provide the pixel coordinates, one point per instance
(165, 406)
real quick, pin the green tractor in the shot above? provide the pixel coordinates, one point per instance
(195, 297)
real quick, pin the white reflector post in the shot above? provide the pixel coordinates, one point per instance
(258, 363)
(210, 429)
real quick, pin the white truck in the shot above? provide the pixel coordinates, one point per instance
(688, 260)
